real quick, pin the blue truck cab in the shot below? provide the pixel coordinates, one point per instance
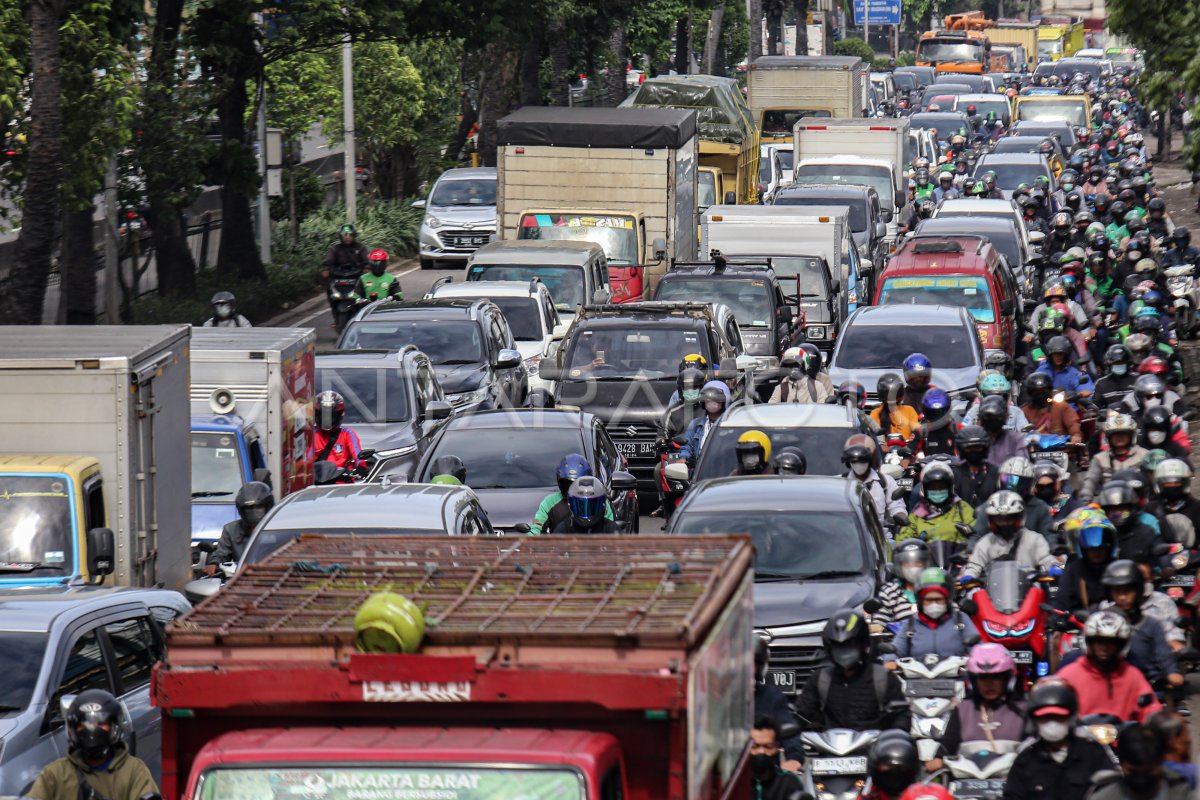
(226, 453)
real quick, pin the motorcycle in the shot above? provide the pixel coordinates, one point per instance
(979, 770)
(835, 764)
(1006, 609)
(672, 477)
(1181, 283)
(1054, 447)
(344, 300)
(932, 686)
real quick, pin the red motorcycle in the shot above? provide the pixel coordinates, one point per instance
(1007, 609)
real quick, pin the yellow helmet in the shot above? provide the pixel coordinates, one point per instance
(694, 360)
(751, 440)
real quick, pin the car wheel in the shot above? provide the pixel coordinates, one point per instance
(428, 263)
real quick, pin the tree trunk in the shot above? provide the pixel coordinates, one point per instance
(26, 290)
(495, 98)
(531, 72)
(293, 223)
(172, 259)
(801, 9)
(756, 27)
(407, 170)
(683, 44)
(712, 40)
(775, 27)
(560, 63)
(617, 61)
(77, 265)
(239, 250)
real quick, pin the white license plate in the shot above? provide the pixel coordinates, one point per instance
(1022, 656)
(783, 679)
(1055, 456)
(848, 765)
(635, 449)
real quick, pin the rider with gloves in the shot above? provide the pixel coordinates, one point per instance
(333, 443)
(1105, 682)
(892, 415)
(938, 628)
(1149, 648)
(1009, 538)
(253, 501)
(555, 509)
(991, 711)
(1122, 453)
(587, 500)
(937, 515)
(860, 466)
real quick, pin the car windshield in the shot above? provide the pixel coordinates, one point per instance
(1065, 135)
(964, 292)
(523, 315)
(390, 781)
(1071, 112)
(267, 541)
(647, 351)
(811, 272)
(879, 347)
(1006, 240)
(1010, 176)
(516, 458)
(821, 446)
(937, 51)
(216, 467)
(37, 533)
(476, 192)
(444, 341)
(792, 543)
(616, 235)
(706, 187)
(878, 178)
(373, 394)
(904, 81)
(749, 298)
(1046, 49)
(858, 208)
(982, 107)
(785, 159)
(784, 120)
(21, 656)
(565, 283)
(1018, 144)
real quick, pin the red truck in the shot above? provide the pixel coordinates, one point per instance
(581, 668)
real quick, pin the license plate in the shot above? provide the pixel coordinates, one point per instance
(904, 483)
(1022, 656)
(977, 788)
(1180, 580)
(931, 687)
(635, 449)
(783, 679)
(1055, 456)
(477, 240)
(847, 765)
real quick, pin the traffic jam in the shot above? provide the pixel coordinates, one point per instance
(824, 438)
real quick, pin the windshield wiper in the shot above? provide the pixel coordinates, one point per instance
(829, 573)
(760, 575)
(456, 361)
(11, 708)
(211, 494)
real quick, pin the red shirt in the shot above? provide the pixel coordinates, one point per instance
(345, 450)
(1115, 692)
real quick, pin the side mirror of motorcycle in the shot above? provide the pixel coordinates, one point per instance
(1060, 550)
(968, 607)
(680, 440)
(521, 527)
(1161, 549)
(872, 605)
(886, 647)
(971, 639)
(789, 730)
(900, 493)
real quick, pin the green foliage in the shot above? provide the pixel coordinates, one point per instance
(854, 47)
(300, 89)
(735, 34)
(392, 225)
(388, 97)
(310, 192)
(650, 28)
(906, 58)
(14, 57)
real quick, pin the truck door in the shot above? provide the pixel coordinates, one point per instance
(135, 647)
(81, 667)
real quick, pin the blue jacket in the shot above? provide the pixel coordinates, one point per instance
(1069, 379)
(693, 433)
(916, 638)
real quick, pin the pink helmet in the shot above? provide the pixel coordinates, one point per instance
(989, 658)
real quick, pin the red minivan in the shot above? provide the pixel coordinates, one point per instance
(960, 270)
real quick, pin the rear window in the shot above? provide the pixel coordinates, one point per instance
(970, 293)
(821, 446)
(858, 210)
(1010, 176)
(1072, 112)
(882, 347)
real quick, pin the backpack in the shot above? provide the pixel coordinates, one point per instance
(911, 629)
(879, 675)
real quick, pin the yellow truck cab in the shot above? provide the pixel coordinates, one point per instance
(53, 526)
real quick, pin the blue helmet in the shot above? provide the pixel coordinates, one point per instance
(587, 499)
(917, 370)
(935, 404)
(572, 467)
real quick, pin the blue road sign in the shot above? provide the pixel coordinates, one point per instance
(883, 12)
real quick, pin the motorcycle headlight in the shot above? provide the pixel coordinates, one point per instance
(1024, 629)
(928, 727)
(931, 707)
(1180, 560)
(995, 631)
(432, 222)
(467, 398)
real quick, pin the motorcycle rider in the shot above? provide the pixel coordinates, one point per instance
(1016, 475)
(975, 477)
(554, 508)
(892, 765)
(1122, 453)
(1005, 444)
(937, 515)
(715, 398)
(918, 372)
(1064, 375)
(991, 711)
(790, 461)
(345, 258)
(1095, 540)
(1172, 478)
(937, 425)
(1117, 382)
(892, 415)
(1180, 250)
(769, 701)
(938, 628)
(1162, 430)
(1056, 764)
(771, 780)
(898, 597)
(945, 187)
(1141, 749)
(377, 283)
(1149, 648)
(253, 501)
(450, 465)
(753, 450)
(1009, 538)
(225, 313)
(587, 499)
(1105, 682)
(1047, 415)
(1176, 733)
(98, 763)
(1050, 487)
(1135, 538)
(860, 466)
(852, 690)
(333, 443)
(803, 381)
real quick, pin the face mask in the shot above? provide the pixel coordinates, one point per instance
(934, 610)
(1006, 530)
(1053, 730)
(1152, 402)
(1119, 517)
(893, 781)
(912, 573)
(764, 766)
(1143, 783)
(846, 656)
(1039, 400)
(223, 310)
(712, 407)
(1172, 492)
(1047, 493)
(974, 456)
(938, 496)
(860, 468)
(1156, 437)
(1119, 369)
(378, 268)
(992, 425)
(749, 461)
(691, 395)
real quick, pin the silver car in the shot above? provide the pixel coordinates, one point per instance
(55, 643)
(460, 215)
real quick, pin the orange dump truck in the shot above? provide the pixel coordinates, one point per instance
(961, 46)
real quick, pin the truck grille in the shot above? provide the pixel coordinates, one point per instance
(801, 660)
(465, 240)
(636, 443)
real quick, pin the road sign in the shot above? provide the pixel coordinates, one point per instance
(883, 12)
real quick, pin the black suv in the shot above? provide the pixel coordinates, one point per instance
(467, 340)
(620, 362)
(393, 403)
(768, 323)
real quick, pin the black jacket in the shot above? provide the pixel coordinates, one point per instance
(1037, 776)
(1111, 390)
(1136, 541)
(569, 525)
(852, 703)
(782, 786)
(1079, 586)
(346, 260)
(975, 487)
(769, 701)
(234, 537)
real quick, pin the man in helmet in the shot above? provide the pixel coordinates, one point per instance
(1008, 537)
(1056, 764)
(1122, 453)
(852, 690)
(253, 501)
(945, 189)
(1135, 537)
(1051, 487)
(892, 766)
(1180, 250)
(449, 465)
(860, 466)
(1063, 374)
(1117, 382)
(991, 711)
(1142, 750)
(939, 513)
(685, 404)
(377, 283)
(1162, 430)
(587, 502)
(771, 780)
(1105, 682)
(898, 596)
(1094, 539)
(345, 258)
(333, 443)
(893, 415)
(554, 508)
(918, 377)
(975, 477)
(1150, 647)
(753, 451)
(938, 628)
(225, 313)
(907, 217)
(1005, 444)
(803, 381)
(790, 461)
(98, 762)
(1047, 415)
(1174, 503)
(714, 397)
(937, 425)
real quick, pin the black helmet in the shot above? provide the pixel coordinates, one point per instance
(1124, 572)
(449, 465)
(95, 722)
(1059, 345)
(857, 454)
(691, 379)
(937, 472)
(1157, 418)
(890, 388)
(972, 443)
(331, 409)
(1119, 500)
(253, 501)
(1118, 210)
(1117, 354)
(790, 461)
(892, 762)
(846, 639)
(812, 364)
(1181, 236)
(224, 305)
(1156, 204)
(1039, 385)
(993, 413)
(1053, 693)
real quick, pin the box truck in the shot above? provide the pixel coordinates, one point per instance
(785, 89)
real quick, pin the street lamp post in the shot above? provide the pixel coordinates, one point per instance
(351, 162)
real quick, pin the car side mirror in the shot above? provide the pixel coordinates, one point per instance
(507, 359)
(559, 331)
(835, 285)
(622, 481)
(880, 230)
(438, 409)
(872, 605)
(789, 730)
(201, 589)
(262, 475)
(886, 647)
(899, 199)
(865, 266)
(676, 471)
(660, 249)
(731, 198)
(418, 203)
(101, 552)
(549, 372)
(1008, 308)
(601, 296)
(1036, 237)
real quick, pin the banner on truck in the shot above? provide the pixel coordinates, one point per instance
(371, 782)
(883, 12)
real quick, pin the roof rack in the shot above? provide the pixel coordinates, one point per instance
(719, 263)
(922, 241)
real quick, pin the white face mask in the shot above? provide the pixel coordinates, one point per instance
(860, 468)
(1156, 437)
(934, 610)
(912, 573)
(1152, 402)
(1053, 730)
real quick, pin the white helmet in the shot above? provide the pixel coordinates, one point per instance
(1117, 423)
(1172, 470)
(1107, 624)
(1017, 465)
(1004, 503)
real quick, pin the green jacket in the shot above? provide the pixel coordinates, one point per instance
(940, 528)
(127, 778)
(384, 287)
(543, 512)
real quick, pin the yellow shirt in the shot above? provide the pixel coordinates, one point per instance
(904, 420)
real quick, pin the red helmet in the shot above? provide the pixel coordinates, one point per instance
(1154, 365)
(331, 408)
(378, 255)
(926, 791)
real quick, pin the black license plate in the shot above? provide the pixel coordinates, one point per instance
(783, 679)
(635, 449)
(1022, 656)
(930, 687)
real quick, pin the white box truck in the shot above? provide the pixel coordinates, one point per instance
(784, 89)
(251, 415)
(624, 178)
(95, 473)
(803, 243)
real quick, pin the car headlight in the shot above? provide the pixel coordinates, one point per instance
(432, 222)
(767, 362)
(816, 331)
(468, 398)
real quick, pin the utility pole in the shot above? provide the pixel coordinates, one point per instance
(348, 128)
(112, 258)
(264, 199)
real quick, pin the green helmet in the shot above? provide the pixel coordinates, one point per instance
(934, 578)
(994, 384)
(348, 229)
(445, 480)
